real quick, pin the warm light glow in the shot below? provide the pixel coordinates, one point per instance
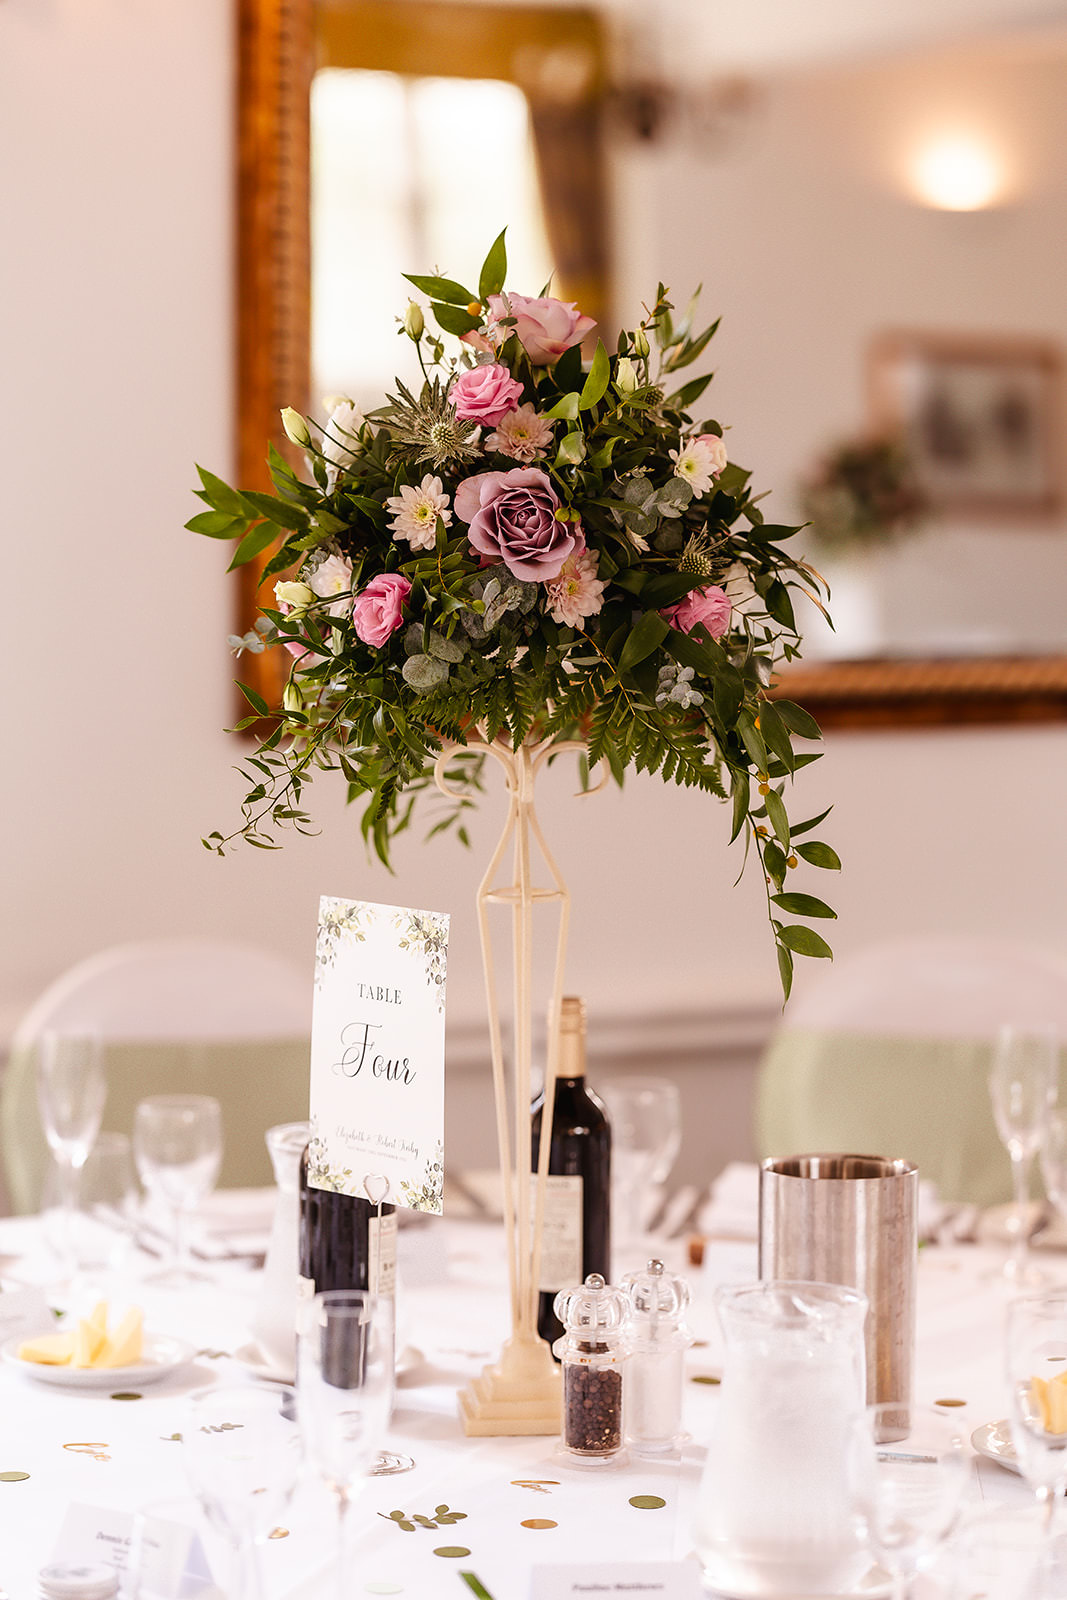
(957, 173)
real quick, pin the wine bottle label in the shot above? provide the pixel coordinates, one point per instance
(305, 1289)
(381, 1240)
(561, 1233)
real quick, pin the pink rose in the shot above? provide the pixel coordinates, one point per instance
(485, 394)
(545, 327)
(378, 611)
(702, 608)
(512, 517)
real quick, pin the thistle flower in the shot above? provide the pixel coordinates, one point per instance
(698, 556)
(427, 430)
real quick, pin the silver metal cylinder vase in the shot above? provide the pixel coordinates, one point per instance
(850, 1219)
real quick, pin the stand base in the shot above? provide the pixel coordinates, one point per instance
(520, 1394)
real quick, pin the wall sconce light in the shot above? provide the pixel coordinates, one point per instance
(957, 172)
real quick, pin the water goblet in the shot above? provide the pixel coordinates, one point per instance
(345, 1377)
(71, 1090)
(106, 1219)
(1035, 1350)
(910, 1480)
(177, 1145)
(1023, 1084)
(646, 1134)
(241, 1452)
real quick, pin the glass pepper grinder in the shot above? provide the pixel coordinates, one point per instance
(592, 1352)
(655, 1373)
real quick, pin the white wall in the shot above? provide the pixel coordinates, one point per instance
(115, 338)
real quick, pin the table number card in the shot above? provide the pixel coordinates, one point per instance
(378, 1053)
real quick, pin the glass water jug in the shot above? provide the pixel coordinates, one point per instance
(774, 1514)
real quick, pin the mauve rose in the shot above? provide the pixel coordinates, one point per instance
(545, 327)
(708, 608)
(485, 394)
(512, 519)
(378, 611)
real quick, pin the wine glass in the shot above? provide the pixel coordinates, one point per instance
(345, 1380)
(646, 1134)
(1035, 1351)
(1023, 1084)
(106, 1219)
(910, 1481)
(241, 1450)
(177, 1145)
(71, 1090)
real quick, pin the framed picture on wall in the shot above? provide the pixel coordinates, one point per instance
(981, 415)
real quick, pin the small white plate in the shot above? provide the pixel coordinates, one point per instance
(162, 1356)
(993, 1440)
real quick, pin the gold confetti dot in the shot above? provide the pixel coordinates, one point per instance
(950, 1402)
(539, 1522)
(703, 1378)
(455, 1551)
(127, 1394)
(648, 1502)
(278, 1533)
(13, 1477)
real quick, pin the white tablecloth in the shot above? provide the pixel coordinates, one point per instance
(458, 1322)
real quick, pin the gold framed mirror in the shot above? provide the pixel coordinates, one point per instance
(281, 43)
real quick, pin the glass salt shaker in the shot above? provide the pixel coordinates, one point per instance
(655, 1372)
(592, 1352)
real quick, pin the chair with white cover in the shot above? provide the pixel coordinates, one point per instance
(192, 1016)
(889, 1054)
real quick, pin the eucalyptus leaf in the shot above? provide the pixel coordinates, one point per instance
(424, 673)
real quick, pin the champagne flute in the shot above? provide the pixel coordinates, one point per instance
(910, 1480)
(345, 1382)
(241, 1450)
(71, 1090)
(1023, 1084)
(177, 1145)
(646, 1134)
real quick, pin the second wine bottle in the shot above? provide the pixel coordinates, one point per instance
(576, 1237)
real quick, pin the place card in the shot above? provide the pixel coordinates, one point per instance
(636, 1580)
(24, 1313)
(170, 1554)
(378, 1053)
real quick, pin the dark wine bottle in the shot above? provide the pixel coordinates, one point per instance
(344, 1243)
(576, 1238)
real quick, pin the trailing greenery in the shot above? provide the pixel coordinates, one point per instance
(585, 564)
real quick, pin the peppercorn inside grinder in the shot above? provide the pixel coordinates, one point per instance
(593, 1353)
(655, 1373)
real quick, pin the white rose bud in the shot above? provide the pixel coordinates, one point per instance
(297, 595)
(330, 402)
(414, 322)
(626, 376)
(292, 699)
(641, 343)
(296, 429)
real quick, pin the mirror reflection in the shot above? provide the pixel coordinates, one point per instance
(882, 234)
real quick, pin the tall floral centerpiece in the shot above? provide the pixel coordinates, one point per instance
(524, 554)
